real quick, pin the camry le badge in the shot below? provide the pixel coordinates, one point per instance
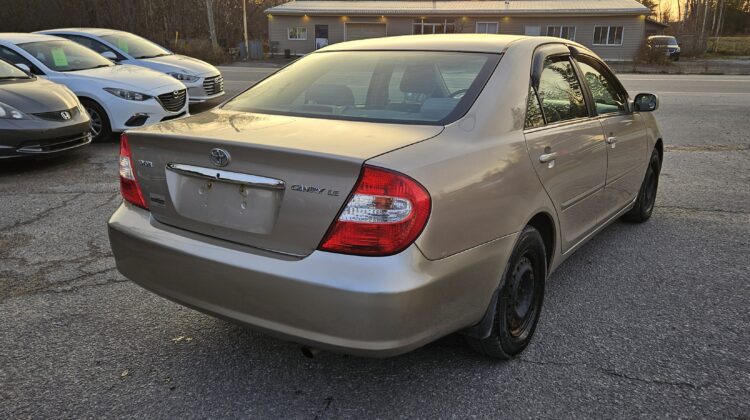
(220, 157)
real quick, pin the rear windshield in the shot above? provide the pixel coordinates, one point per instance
(383, 86)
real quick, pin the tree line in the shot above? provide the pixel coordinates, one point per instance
(163, 21)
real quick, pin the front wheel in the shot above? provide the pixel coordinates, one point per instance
(646, 200)
(520, 301)
(101, 129)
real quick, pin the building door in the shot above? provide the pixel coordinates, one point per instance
(321, 36)
(364, 30)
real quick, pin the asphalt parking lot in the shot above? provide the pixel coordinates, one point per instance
(646, 320)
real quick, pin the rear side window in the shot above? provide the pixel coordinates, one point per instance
(607, 95)
(534, 117)
(560, 91)
(418, 87)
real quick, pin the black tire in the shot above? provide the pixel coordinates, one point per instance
(644, 203)
(100, 126)
(520, 302)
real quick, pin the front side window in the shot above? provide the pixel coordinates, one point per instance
(135, 46)
(608, 35)
(297, 33)
(607, 95)
(414, 87)
(63, 55)
(487, 27)
(565, 32)
(560, 91)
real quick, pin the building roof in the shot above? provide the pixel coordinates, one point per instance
(460, 7)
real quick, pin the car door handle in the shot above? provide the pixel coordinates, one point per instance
(548, 157)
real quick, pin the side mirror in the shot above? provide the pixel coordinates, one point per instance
(109, 55)
(646, 102)
(23, 67)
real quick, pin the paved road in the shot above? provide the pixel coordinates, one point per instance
(646, 320)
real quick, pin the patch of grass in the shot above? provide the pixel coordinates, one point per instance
(730, 46)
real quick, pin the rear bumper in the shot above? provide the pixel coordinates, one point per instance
(358, 305)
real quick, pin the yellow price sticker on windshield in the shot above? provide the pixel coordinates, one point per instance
(123, 45)
(59, 57)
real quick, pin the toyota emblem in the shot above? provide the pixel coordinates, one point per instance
(220, 157)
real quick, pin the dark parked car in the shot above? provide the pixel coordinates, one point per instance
(38, 117)
(666, 44)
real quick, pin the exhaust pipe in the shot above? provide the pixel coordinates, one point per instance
(309, 352)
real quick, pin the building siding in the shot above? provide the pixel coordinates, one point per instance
(633, 30)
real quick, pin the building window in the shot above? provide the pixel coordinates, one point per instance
(434, 26)
(608, 35)
(566, 32)
(297, 33)
(487, 27)
(530, 30)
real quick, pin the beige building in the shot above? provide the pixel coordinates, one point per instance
(614, 29)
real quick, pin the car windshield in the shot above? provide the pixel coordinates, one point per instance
(135, 46)
(9, 71)
(664, 40)
(64, 55)
(417, 87)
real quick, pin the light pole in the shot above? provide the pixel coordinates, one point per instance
(244, 21)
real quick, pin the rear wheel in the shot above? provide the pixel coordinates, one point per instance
(100, 126)
(520, 301)
(644, 203)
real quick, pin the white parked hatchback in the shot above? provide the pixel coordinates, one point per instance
(204, 81)
(117, 97)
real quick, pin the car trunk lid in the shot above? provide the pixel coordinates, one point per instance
(284, 181)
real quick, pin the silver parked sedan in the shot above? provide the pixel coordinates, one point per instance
(377, 195)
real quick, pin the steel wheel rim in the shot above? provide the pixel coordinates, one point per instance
(522, 299)
(96, 121)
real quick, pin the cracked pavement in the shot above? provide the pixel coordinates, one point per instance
(646, 320)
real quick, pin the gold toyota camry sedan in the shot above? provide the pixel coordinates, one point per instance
(377, 195)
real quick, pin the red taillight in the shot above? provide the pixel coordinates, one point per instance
(384, 215)
(129, 187)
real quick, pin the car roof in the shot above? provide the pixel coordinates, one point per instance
(90, 31)
(484, 43)
(22, 38)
